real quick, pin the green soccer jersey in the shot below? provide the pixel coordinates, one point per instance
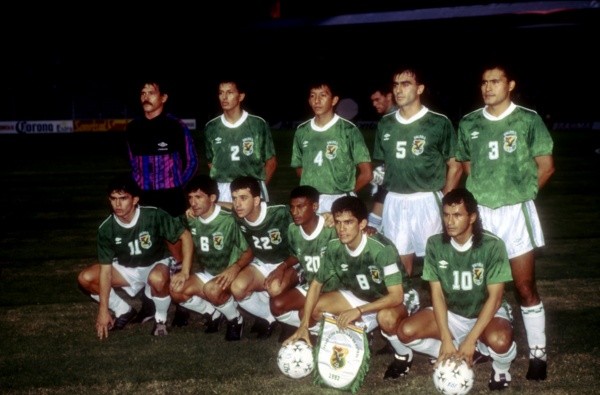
(218, 240)
(465, 272)
(502, 152)
(142, 241)
(310, 249)
(267, 236)
(415, 152)
(329, 155)
(239, 149)
(366, 271)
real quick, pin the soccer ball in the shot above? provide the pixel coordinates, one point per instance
(453, 377)
(295, 359)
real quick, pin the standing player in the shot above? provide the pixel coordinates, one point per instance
(506, 151)
(265, 229)
(238, 143)
(221, 251)
(467, 268)
(417, 148)
(308, 237)
(132, 255)
(328, 150)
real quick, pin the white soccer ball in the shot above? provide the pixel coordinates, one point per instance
(453, 377)
(295, 359)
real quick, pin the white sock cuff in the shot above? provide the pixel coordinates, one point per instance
(533, 311)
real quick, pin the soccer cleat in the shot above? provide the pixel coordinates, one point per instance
(235, 328)
(212, 325)
(538, 367)
(147, 311)
(266, 329)
(480, 358)
(181, 316)
(499, 384)
(123, 320)
(160, 329)
(399, 367)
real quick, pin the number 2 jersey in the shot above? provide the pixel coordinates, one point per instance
(464, 272)
(142, 241)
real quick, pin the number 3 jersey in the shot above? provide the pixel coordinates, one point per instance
(142, 241)
(464, 272)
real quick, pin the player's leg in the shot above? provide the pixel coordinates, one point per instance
(287, 309)
(159, 281)
(288, 281)
(498, 337)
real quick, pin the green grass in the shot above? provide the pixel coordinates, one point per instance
(53, 200)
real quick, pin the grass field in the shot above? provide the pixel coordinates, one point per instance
(53, 200)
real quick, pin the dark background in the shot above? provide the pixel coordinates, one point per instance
(85, 61)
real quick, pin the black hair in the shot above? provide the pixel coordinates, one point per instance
(203, 183)
(244, 182)
(352, 204)
(463, 196)
(306, 191)
(123, 183)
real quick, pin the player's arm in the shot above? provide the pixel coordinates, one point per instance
(226, 277)
(270, 166)
(466, 166)
(187, 252)
(440, 311)
(104, 321)
(453, 174)
(365, 175)
(394, 297)
(302, 333)
(545, 165)
(299, 172)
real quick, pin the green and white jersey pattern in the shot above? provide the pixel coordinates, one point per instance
(268, 236)
(329, 155)
(218, 240)
(502, 153)
(141, 242)
(310, 249)
(366, 271)
(239, 149)
(415, 151)
(464, 272)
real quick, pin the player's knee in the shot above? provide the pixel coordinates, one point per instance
(85, 279)
(277, 306)
(500, 341)
(406, 332)
(387, 320)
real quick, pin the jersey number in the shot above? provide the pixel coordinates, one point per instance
(319, 159)
(235, 153)
(400, 149)
(493, 154)
(312, 263)
(264, 243)
(462, 280)
(363, 282)
(204, 245)
(134, 248)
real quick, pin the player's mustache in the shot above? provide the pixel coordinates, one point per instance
(145, 102)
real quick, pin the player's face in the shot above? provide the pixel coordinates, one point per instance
(349, 229)
(321, 100)
(302, 210)
(202, 205)
(244, 203)
(496, 88)
(229, 96)
(458, 222)
(152, 100)
(123, 205)
(381, 102)
(406, 90)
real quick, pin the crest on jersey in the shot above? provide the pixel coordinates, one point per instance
(510, 141)
(275, 236)
(477, 273)
(418, 145)
(375, 274)
(338, 356)
(145, 240)
(217, 238)
(248, 146)
(331, 150)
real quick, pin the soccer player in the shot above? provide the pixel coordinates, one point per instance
(417, 146)
(221, 251)
(132, 255)
(265, 229)
(308, 237)
(369, 284)
(238, 143)
(383, 102)
(506, 150)
(329, 150)
(467, 268)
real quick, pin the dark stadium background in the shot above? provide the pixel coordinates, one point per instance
(84, 61)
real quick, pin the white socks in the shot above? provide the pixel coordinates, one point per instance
(534, 319)
(291, 318)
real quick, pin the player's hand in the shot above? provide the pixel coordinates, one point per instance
(189, 213)
(447, 353)
(369, 230)
(276, 276)
(226, 277)
(301, 333)
(466, 351)
(104, 321)
(329, 221)
(347, 316)
(177, 281)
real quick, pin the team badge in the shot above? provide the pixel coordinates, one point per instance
(477, 273)
(145, 240)
(331, 150)
(338, 357)
(275, 236)
(248, 146)
(418, 145)
(218, 240)
(510, 141)
(375, 274)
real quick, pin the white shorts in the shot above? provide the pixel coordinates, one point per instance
(369, 320)
(204, 276)
(137, 277)
(264, 268)
(517, 225)
(409, 219)
(225, 192)
(325, 201)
